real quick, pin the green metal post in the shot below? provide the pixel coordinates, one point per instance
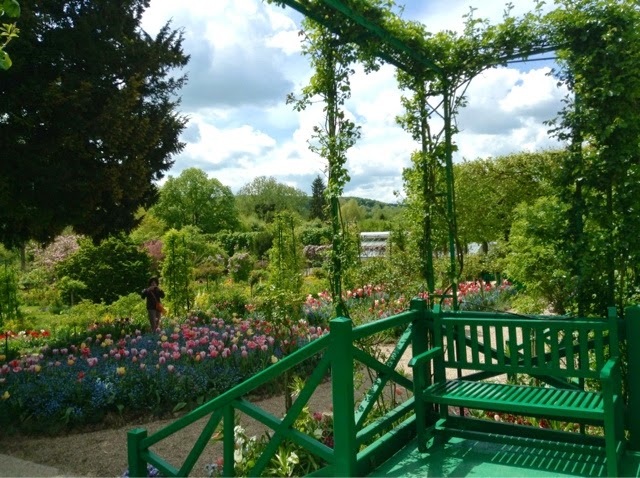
(229, 441)
(451, 210)
(344, 428)
(420, 344)
(632, 336)
(137, 466)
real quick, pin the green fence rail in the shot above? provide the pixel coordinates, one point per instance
(361, 443)
(338, 350)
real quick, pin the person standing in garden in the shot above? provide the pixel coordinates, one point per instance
(153, 294)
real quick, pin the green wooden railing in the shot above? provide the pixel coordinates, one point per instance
(352, 454)
(361, 444)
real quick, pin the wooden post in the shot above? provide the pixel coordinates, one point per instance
(421, 375)
(344, 427)
(137, 466)
(228, 441)
(632, 321)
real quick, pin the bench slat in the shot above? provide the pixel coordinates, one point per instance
(500, 346)
(486, 337)
(516, 399)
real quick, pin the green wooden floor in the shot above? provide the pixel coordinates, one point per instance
(468, 458)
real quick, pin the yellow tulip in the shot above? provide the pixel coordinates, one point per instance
(5, 395)
(121, 371)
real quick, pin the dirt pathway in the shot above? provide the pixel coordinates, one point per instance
(104, 452)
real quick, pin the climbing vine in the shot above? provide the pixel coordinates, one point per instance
(599, 62)
(431, 104)
(332, 60)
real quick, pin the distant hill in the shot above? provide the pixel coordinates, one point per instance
(369, 203)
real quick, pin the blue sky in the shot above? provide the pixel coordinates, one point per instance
(245, 59)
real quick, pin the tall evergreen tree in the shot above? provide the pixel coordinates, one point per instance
(318, 202)
(88, 118)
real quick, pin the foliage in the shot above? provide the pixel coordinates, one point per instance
(70, 288)
(318, 208)
(285, 257)
(177, 270)
(351, 211)
(212, 267)
(290, 459)
(193, 199)
(227, 301)
(435, 96)
(332, 61)
(88, 118)
(314, 234)
(258, 242)
(113, 268)
(8, 31)
(9, 301)
(150, 228)
(265, 197)
(137, 373)
(240, 266)
(599, 63)
(489, 190)
(535, 258)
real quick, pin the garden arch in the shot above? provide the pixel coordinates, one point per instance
(385, 36)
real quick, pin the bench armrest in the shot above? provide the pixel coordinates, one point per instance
(426, 356)
(611, 370)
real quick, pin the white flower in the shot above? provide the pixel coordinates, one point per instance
(318, 433)
(293, 458)
(237, 455)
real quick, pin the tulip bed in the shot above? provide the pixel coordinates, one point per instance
(137, 373)
(47, 384)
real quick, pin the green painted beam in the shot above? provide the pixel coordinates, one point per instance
(281, 431)
(385, 36)
(240, 390)
(387, 372)
(201, 443)
(302, 439)
(372, 328)
(385, 422)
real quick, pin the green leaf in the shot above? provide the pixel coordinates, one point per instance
(11, 8)
(5, 60)
(179, 407)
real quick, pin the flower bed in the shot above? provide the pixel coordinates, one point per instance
(139, 373)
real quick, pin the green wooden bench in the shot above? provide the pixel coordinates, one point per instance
(558, 355)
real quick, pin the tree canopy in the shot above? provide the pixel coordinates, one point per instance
(265, 197)
(88, 118)
(193, 199)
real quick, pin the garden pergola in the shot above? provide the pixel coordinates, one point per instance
(366, 26)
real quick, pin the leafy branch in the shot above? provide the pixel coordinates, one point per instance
(8, 31)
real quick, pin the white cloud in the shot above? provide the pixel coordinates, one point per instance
(246, 58)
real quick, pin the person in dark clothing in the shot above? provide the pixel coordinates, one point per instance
(153, 294)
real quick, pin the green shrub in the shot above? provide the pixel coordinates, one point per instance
(113, 268)
(240, 266)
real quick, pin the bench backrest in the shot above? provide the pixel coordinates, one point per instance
(515, 344)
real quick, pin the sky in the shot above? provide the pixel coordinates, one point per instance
(246, 57)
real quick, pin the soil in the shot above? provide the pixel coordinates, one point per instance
(104, 452)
